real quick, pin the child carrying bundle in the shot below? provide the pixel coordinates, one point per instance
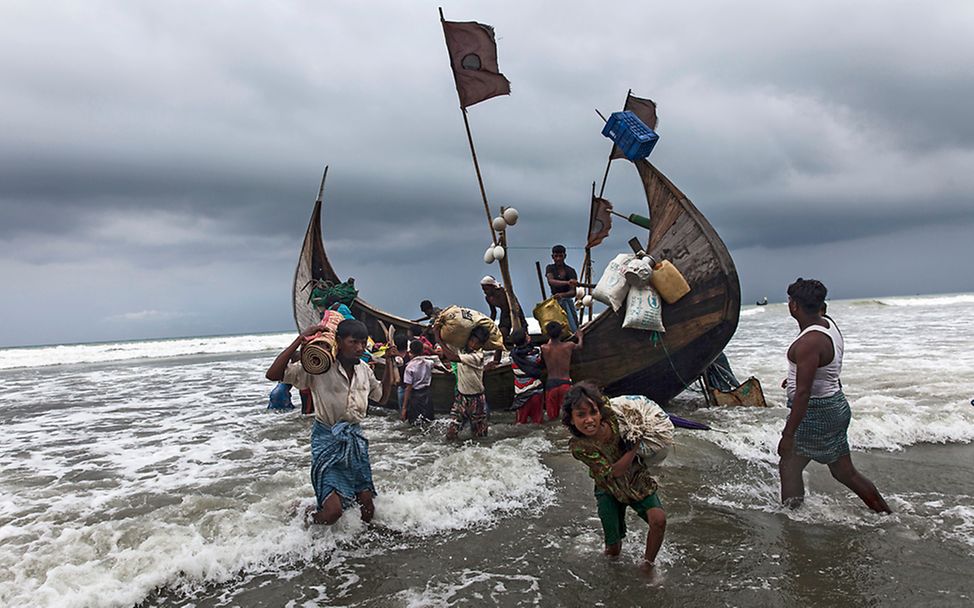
(621, 477)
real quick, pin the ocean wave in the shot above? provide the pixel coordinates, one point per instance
(947, 300)
(755, 310)
(121, 549)
(46, 356)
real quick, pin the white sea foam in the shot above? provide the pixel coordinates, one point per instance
(176, 477)
(945, 300)
(42, 356)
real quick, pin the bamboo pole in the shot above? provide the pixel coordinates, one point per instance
(537, 266)
(512, 302)
(605, 176)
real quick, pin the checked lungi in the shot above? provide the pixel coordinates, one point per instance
(340, 462)
(822, 433)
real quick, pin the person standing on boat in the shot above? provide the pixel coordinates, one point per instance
(819, 418)
(557, 356)
(496, 297)
(562, 279)
(470, 401)
(430, 313)
(621, 478)
(340, 469)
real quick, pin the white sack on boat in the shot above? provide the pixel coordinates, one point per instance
(644, 309)
(612, 287)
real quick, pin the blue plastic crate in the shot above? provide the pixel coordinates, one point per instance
(630, 134)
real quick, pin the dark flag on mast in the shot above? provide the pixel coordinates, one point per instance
(645, 109)
(473, 57)
(601, 221)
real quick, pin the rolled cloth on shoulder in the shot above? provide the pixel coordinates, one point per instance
(340, 462)
(822, 433)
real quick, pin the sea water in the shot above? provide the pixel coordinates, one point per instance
(151, 473)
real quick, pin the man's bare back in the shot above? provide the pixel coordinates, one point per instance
(557, 357)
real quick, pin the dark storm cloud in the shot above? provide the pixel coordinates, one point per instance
(165, 143)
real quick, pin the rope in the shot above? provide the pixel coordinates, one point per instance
(656, 339)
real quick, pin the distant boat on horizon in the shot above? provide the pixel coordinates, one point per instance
(762, 302)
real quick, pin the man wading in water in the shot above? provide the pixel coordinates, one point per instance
(340, 469)
(557, 356)
(819, 417)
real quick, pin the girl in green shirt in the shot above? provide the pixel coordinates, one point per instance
(621, 478)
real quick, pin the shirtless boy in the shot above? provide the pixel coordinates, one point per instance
(557, 356)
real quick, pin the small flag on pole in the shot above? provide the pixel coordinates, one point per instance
(473, 57)
(601, 221)
(645, 109)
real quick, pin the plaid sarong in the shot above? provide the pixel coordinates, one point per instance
(821, 435)
(340, 462)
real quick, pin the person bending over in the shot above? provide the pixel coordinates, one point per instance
(621, 479)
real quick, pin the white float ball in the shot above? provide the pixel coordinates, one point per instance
(499, 252)
(498, 223)
(587, 300)
(579, 292)
(510, 216)
(489, 255)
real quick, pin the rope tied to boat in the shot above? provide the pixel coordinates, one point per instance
(656, 339)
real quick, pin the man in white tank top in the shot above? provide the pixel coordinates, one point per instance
(819, 416)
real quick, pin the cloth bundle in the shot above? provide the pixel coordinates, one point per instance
(455, 324)
(319, 352)
(644, 424)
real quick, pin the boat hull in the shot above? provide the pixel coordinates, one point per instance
(623, 361)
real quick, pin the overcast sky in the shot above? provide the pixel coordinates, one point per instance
(159, 160)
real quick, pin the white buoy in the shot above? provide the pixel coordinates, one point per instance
(498, 223)
(510, 216)
(489, 255)
(587, 300)
(499, 252)
(579, 292)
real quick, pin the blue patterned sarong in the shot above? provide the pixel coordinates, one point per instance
(340, 462)
(821, 435)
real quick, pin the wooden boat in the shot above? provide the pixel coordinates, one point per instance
(623, 361)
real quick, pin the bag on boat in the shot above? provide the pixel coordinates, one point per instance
(643, 309)
(669, 282)
(644, 423)
(455, 324)
(551, 310)
(639, 272)
(612, 287)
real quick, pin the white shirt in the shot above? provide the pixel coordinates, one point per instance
(470, 373)
(336, 396)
